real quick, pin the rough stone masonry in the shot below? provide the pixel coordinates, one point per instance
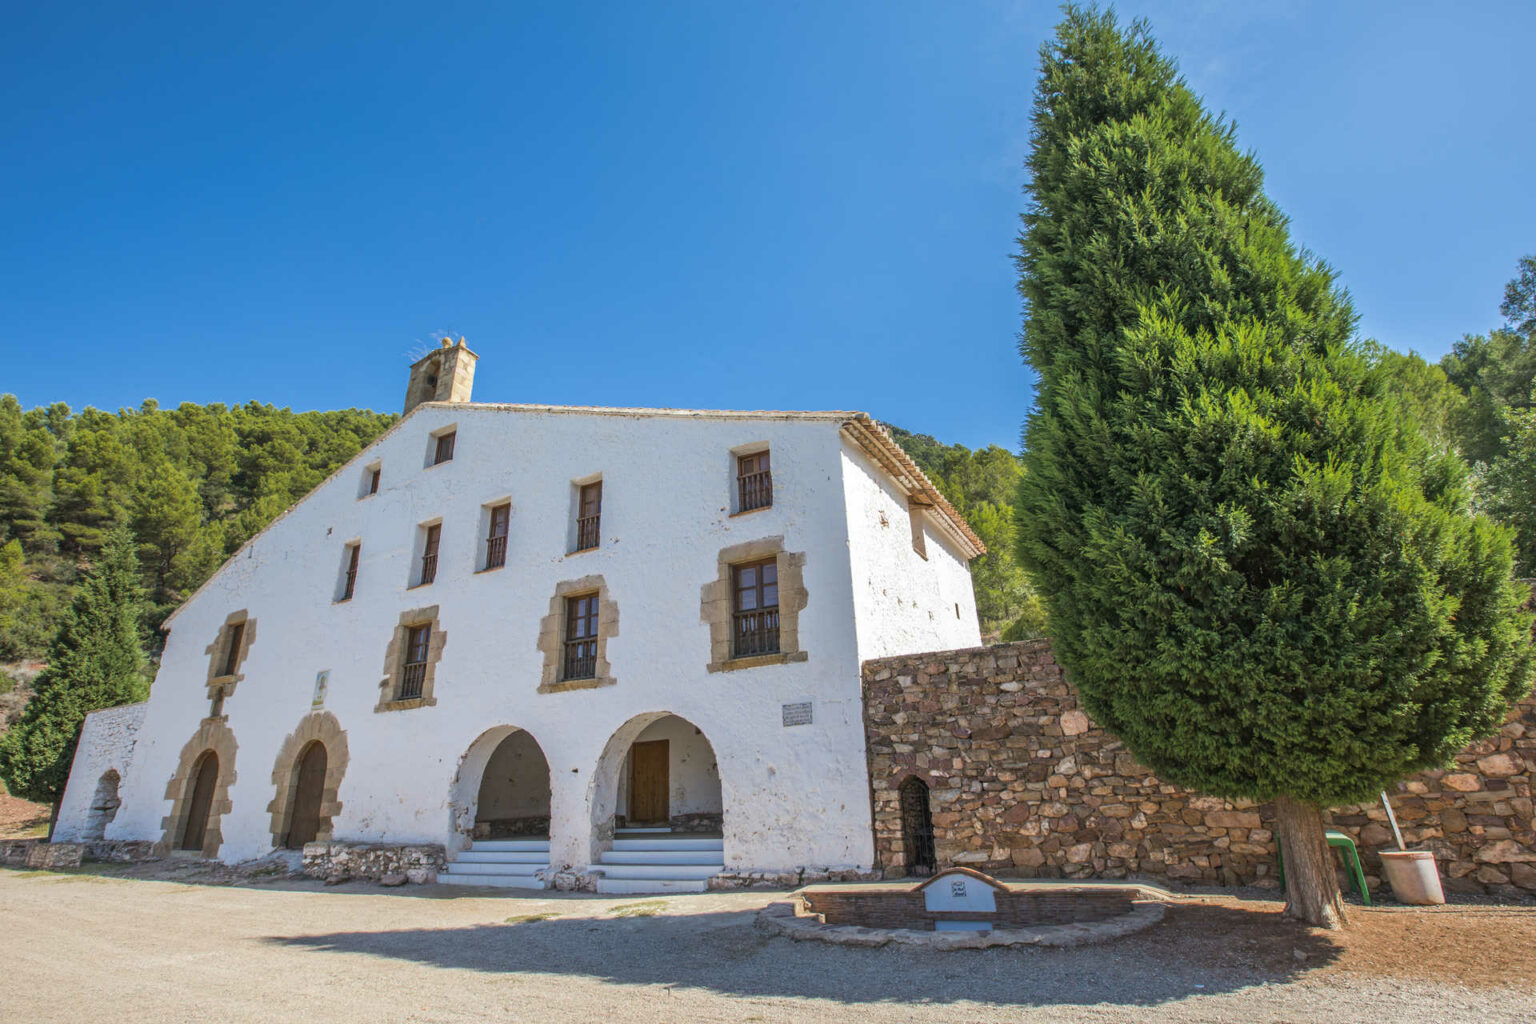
(1023, 783)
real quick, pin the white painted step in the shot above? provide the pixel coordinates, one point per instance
(459, 867)
(510, 845)
(643, 886)
(663, 857)
(498, 881)
(477, 855)
(666, 844)
(677, 872)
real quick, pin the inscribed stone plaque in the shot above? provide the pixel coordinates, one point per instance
(797, 714)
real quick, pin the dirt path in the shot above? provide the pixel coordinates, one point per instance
(101, 948)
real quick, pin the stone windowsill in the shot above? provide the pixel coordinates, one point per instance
(582, 551)
(418, 586)
(565, 685)
(405, 705)
(757, 661)
(490, 568)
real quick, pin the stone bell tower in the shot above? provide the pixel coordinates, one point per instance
(444, 375)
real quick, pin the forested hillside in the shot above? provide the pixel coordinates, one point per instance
(191, 483)
(982, 485)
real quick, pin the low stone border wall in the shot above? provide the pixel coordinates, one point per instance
(386, 863)
(784, 918)
(1023, 783)
(14, 852)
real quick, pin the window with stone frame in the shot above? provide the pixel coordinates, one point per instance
(232, 649)
(754, 482)
(581, 626)
(755, 608)
(413, 669)
(373, 479)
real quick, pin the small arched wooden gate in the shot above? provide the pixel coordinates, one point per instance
(203, 784)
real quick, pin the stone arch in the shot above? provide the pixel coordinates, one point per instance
(104, 805)
(212, 736)
(317, 727)
(470, 782)
(698, 810)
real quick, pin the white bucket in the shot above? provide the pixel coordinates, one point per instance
(1413, 876)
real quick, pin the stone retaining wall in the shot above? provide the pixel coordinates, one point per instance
(1023, 783)
(907, 909)
(417, 863)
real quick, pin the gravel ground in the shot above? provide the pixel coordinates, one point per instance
(92, 946)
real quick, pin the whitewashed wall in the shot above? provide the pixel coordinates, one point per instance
(106, 744)
(904, 603)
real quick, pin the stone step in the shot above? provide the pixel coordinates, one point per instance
(642, 886)
(663, 856)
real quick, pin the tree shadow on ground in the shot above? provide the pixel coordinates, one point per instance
(1201, 949)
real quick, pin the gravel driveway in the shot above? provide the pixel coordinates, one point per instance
(92, 947)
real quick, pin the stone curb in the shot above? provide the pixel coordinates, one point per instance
(780, 919)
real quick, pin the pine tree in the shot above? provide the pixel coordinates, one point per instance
(96, 661)
(1258, 572)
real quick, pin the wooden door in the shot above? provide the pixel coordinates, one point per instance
(304, 822)
(201, 802)
(648, 784)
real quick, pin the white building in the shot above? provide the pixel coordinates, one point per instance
(614, 643)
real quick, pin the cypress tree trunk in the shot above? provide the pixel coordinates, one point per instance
(1311, 883)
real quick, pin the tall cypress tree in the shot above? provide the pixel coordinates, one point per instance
(96, 661)
(1258, 573)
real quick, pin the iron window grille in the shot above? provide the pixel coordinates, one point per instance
(755, 618)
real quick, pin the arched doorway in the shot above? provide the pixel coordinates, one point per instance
(917, 827)
(502, 790)
(308, 795)
(658, 816)
(104, 805)
(205, 778)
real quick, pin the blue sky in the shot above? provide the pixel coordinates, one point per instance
(764, 205)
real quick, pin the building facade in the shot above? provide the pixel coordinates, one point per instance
(552, 640)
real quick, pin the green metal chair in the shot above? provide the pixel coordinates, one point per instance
(1352, 867)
